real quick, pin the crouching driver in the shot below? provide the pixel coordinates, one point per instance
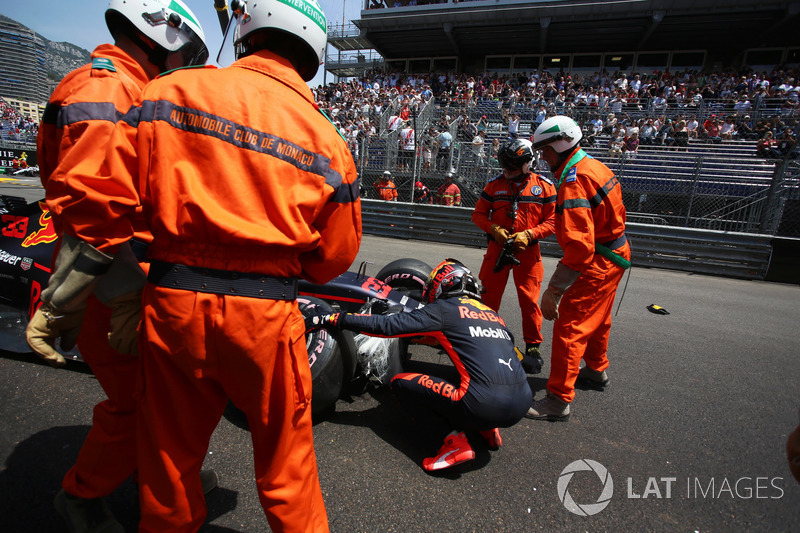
(493, 391)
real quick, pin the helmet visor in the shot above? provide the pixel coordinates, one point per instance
(194, 52)
(507, 163)
(538, 145)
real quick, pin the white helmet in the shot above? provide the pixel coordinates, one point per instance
(559, 132)
(302, 19)
(169, 23)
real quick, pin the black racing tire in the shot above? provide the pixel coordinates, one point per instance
(406, 275)
(331, 355)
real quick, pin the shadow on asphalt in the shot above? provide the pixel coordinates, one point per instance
(32, 474)
(31, 358)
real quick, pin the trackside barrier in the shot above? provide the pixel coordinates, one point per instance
(719, 253)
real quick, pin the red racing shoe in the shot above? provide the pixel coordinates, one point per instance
(455, 450)
(492, 438)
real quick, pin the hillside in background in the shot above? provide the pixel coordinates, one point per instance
(60, 58)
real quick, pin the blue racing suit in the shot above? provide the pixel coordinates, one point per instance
(493, 390)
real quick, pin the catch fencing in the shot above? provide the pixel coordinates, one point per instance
(722, 186)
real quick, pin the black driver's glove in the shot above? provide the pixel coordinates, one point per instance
(323, 320)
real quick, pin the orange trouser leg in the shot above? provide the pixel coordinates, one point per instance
(200, 350)
(582, 328)
(494, 283)
(108, 456)
(528, 279)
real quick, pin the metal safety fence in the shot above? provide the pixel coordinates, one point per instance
(723, 187)
(738, 255)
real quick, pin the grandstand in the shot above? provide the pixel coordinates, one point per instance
(17, 139)
(448, 63)
(508, 36)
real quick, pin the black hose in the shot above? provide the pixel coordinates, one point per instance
(222, 12)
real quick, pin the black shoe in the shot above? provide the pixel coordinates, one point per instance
(532, 361)
(85, 515)
(593, 378)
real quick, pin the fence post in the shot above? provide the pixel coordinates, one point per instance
(362, 152)
(621, 165)
(771, 216)
(698, 165)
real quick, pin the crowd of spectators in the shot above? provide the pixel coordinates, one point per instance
(15, 127)
(627, 133)
(663, 108)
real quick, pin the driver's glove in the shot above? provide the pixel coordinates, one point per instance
(324, 320)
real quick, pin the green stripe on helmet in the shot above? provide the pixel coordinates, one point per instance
(554, 129)
(175, 6)
(310, 10)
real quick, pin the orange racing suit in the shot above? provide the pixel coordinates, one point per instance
(589, 210)
(77, 124)
(244, 183)
(535, 199)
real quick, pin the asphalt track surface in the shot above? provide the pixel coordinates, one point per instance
(691, 430)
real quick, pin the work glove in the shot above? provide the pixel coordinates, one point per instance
(562, 279)
(47, 325)
(77, 268)
(498, 233)
(324, 320)
(522, 239)
(124, 327)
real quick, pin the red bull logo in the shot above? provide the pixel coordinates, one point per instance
(475, 303)
(441, 272)
(436, 385)
(47, 232)
(486, 316)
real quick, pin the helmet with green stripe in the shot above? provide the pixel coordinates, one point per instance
(560, 133)
(170, 24)
(294, 28)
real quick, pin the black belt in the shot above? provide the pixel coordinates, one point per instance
(199, 279)
(616, 243)
(139, 249)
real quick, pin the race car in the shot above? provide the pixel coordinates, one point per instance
(27, 243)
